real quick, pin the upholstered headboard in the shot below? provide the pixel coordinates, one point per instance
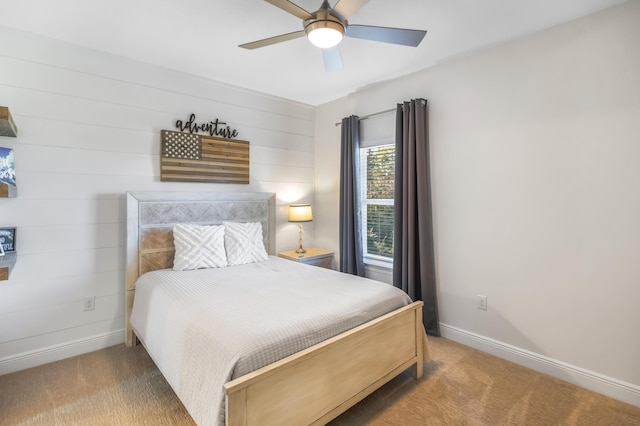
(150, 220)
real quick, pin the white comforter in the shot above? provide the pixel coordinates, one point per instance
(205, 327)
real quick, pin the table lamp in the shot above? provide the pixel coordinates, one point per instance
(300, 213)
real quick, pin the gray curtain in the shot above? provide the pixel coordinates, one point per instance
(351, 260)
(413, 259)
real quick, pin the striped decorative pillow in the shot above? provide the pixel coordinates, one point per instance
(243, 242)
(198, 247)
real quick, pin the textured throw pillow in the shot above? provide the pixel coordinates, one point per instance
(243, 242)
(198, 247)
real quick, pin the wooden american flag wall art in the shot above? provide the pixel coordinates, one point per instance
(188, 157)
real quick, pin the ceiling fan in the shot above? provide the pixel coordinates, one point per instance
(326, 26)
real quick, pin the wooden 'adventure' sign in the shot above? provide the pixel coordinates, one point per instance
(189, 157)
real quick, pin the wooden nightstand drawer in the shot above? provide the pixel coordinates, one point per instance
(313, 256)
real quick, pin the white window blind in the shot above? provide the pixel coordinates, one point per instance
(377, 186)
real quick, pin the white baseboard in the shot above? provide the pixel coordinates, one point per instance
(596, 382)
(49, 354)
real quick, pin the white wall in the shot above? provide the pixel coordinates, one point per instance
(89, 130)
(535, 160)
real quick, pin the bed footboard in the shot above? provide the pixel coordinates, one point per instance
(319, 383)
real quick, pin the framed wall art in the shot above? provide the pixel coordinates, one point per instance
(189, 157)
(7, 173)
(7, 240)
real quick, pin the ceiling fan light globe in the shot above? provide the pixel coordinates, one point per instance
(325, 34)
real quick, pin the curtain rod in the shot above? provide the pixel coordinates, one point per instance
(386, 111)
(375, 114)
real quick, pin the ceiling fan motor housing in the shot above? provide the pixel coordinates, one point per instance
(314, 24)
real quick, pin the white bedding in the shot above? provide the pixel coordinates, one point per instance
(205, 327)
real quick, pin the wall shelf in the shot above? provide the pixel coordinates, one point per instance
(7, 262)
(7, 125)
(7, 191)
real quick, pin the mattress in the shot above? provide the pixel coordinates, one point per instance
(205, 327)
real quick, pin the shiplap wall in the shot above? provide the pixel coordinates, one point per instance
(89, 130)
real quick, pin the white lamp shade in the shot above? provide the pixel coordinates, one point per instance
(300, 213)
(325, 38)
(325, 34)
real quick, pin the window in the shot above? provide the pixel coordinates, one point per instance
(377, 182)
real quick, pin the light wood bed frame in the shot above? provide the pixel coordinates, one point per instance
(312, 386)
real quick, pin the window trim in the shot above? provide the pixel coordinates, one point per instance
(379, 261)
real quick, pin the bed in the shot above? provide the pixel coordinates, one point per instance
(322, 370)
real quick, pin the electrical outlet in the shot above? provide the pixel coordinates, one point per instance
(89, 304)
(482, 302)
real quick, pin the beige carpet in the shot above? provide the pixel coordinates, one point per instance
(462, 386)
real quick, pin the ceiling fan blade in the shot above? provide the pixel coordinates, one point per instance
(332, 59)
(386, 34)
(293, 9)
(273, 40)
(346, 8)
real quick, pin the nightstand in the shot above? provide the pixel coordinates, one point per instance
(313, 256)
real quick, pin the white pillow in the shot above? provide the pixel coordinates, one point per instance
(198, 247)
(243, 242)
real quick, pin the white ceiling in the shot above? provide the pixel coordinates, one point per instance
(201, 36)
